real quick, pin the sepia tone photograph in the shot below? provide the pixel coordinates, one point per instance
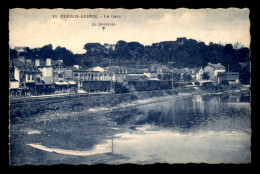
(129, 86)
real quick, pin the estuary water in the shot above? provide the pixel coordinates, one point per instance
(212, 128)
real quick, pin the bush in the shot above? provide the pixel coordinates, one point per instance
(197, 83)
(205, 76)
(224, 82)
(120, 88)
(73, 90)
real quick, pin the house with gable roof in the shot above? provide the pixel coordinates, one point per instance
(23, 76)
(57, 73)
(158, 71)
(213, 69)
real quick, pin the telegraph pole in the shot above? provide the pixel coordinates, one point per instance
(111, 82)
(172, 78)
(228, 74)
(112, 143)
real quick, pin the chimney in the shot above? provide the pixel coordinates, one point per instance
(37, 62)
(29, 61)
(209, 63)
(48, 61)
(21, 58)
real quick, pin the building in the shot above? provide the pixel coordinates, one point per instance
(144, 84)
(199, 74)
(46, 67)
(134, 77)
(228, 78)
(92, 74)
(59, 69)
(155, 70)
(213, 69)
(97, 86)
(36, 77)
(20, 49)
(24, 71)
(55, 74)
(23, 76)
(120, 73)
(188, 74)
(158, 71)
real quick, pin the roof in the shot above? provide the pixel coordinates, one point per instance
(216, 66)
(72, 82)
(166, 69)
(205, 81)
(116, 69)
(153, 68)
(53, 63)
(96, 68)
(197, 70)
(186, 70)
(27, 67)
(229, 73)
(229, 76)
(183, 70)
(156, 79)
(132, 77)
(61, 83)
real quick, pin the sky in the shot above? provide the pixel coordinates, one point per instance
(37, 27)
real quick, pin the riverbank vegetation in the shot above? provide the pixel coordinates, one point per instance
(79, 103)
(181, 53)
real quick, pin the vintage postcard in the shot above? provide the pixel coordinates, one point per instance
(116, 86)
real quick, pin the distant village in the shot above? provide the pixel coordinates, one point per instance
(37, 77)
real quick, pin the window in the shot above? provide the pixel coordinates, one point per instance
(29, 77)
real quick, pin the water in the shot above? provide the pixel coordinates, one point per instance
(191, 129)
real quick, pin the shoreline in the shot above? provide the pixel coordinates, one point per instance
(100, 103)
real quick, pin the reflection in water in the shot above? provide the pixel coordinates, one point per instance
(212, 129)
(185, 113)
(207, 128)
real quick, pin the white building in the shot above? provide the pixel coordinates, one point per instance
(213, 70)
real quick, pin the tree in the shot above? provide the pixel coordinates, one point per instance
(13, 54)
(120, 88)
(205, 76)
(183, 52)
(46, 51)
(87, 63)
(188, 77)
(94, 48)
(244, 75)
(243, 54)
(64, 54)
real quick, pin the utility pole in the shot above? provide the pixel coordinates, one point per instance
(172, 78)
(112, 143)
(228, 73)
(111, 82)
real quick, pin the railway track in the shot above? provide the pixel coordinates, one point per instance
(41, 100)
(19, 102)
